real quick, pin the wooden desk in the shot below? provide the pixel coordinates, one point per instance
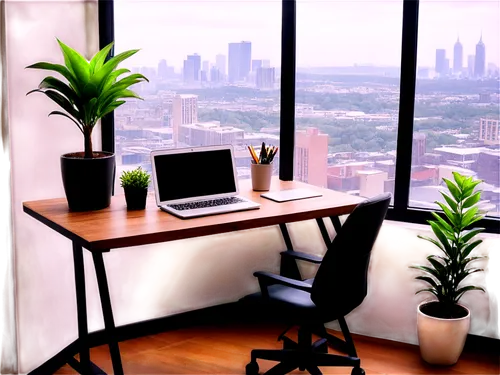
(115, 227)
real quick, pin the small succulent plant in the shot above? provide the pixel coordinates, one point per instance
(135, 179)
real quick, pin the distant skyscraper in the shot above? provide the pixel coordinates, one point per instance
(184, 112)
(470, 65)
(239, 61)
(233, 62)
(480, 61)
(206, 66)
(245, 59)
(266, 63)
(418, 148)
(215, 74)
(264, 78)
(458, 57)
(256, 64)
(162, 69)
(440, 61)
(311, 155)
(220, 63)
(196, 59)
(188, 71)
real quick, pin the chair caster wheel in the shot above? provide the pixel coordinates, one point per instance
(252, 369)
(357, 371)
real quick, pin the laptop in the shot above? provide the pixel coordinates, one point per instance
(197, 181)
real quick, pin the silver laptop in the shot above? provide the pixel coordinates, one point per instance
(197, 181)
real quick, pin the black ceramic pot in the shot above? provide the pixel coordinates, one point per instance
(88, 183)
(136, 198)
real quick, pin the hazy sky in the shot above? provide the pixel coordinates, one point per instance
(329, 32)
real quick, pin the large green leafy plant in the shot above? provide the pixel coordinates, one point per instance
(92, 90)
(456, 242)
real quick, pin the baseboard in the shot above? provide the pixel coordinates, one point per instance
(209, 315)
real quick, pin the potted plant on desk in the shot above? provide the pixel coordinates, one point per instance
(135, 184)
(92, 91)
(443, 323)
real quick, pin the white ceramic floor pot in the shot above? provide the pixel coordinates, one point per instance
(441, 339)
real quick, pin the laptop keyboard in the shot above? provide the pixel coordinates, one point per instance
(208, 203)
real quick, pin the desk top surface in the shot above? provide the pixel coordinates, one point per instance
(115, 227)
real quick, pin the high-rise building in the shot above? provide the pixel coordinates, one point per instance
(162, 69)
(184, 112)
(470, 65)
(239, 61)
(458, 57)
(440, 62)
(418, 148)
(220, 63)
(480, 61)
(233, 62)
(206, 65)
(188, 71)
(245, 59)
(215, 74)
(489, 131)
(311, 155)
(256, 64)
(266, 63)
(196, 59)
(265, 78)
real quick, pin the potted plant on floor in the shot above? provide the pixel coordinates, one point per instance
(443, 323)
(135, 184)
(92, 91)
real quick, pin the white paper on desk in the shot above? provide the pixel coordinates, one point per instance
(291, 194)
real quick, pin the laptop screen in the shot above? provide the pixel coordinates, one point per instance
(194, 174)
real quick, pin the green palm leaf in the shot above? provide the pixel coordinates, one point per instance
(429, 270)
(454, 190)
(76, 63)
(433, 241)
(100, 75)
(98, 60)
(450, 201)
(67, 116)
(61, 69)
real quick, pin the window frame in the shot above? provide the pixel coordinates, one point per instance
(400, 211)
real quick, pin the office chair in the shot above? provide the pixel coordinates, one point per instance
(340, 285)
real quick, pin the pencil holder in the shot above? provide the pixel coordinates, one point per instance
(261, 176)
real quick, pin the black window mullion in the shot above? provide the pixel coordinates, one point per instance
(287, 101)
(106, 36)
(406, 106)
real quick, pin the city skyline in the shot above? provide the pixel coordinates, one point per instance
(329, 33)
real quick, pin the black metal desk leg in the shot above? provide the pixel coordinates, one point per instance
(107, 313)
(336, 223)
(288, 266)
(81, 306)
(324, 231)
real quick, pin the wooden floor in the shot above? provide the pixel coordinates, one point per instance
(226, 350)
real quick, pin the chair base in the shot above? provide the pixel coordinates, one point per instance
(304, 355)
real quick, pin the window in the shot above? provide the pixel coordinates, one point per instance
(457, 107)
(347, 94)
(214, 71)
(360, 109)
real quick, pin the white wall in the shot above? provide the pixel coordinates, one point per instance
(44, 277)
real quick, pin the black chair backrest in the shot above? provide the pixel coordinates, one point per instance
(340, 284)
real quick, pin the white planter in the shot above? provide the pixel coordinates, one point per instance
(441, 340)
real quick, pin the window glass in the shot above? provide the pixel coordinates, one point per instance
(347, 94)
(214, 75)
(456, 126)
